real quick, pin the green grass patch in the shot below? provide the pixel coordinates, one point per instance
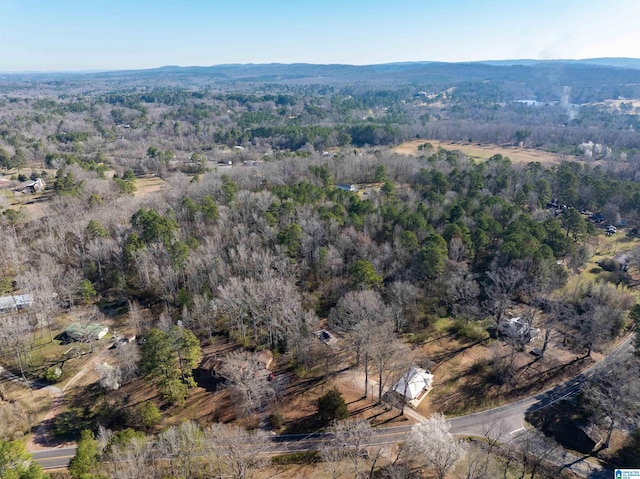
(471, 331)
(443, 325)
(604, 248)
(45, 354)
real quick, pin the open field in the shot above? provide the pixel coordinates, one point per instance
(603, 247)
(616, 105)
(148, 185)
(482, 152)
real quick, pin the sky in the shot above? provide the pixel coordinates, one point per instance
(64, 35)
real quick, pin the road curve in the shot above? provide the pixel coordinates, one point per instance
(509, 417)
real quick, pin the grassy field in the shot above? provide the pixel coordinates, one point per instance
(484, 151)
(602, 247)
(148, 185)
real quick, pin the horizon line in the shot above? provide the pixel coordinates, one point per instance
(133, 69)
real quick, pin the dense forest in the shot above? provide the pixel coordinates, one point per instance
(282, 206)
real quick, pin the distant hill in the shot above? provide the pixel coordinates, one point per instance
(633, 63)
(404, 73)
(587, 80)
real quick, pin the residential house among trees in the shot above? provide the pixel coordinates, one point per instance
(414, 386)
(9, 304)
(86, 332)
(31, 186)
(515, 329)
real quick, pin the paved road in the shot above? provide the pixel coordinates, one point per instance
(509, 419)
(56, 458)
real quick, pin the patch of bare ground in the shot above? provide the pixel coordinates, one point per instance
(471, 376)
(294, 471)
(36, 401)
(149, 185)
(482, 152)
(78, 387)
(619, 440)
(301, 398)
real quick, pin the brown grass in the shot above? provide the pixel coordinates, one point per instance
(462, 373)
(149, 185)
(482, 152)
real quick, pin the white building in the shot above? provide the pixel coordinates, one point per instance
(414, 385)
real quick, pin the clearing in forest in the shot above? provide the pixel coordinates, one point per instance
(479, 151)
(148, 185)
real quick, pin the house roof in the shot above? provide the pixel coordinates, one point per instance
(79, 331)
(15, 302)
(418, 380)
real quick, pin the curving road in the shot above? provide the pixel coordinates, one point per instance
(510, 419)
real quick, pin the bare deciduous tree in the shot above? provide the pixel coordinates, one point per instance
(431, 445)
(14, 333)
(357, 313)
(462, 292)
(403, 295)
(247, 380)
(235, 452)
(110, 377)
(180, 445)
(128, 355)
(15, 420)
(503, 283)
(349, 448)
(134, 459)
(534, 449)
(611, 398)
(383, 352)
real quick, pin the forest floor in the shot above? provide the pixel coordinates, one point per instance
(479, 151)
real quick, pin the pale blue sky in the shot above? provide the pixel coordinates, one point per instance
(118, 34)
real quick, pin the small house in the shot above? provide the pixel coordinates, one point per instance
(515, 329)
(31, 186)
(414, 386)
(347, 186)
(86, 332)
